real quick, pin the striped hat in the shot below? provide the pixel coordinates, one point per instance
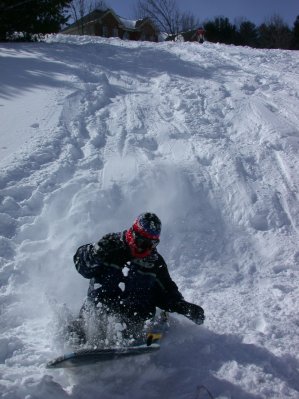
(148, 225)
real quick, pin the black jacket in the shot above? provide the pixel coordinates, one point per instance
(125, 284)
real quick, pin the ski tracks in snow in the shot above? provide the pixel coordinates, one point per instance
(202, 138)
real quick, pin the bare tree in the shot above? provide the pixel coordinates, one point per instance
(80, 8)
(166, 15)
(188, 22)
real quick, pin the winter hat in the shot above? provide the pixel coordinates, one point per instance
(148, 225)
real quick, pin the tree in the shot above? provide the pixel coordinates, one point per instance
(295, 35)
(81, 8)
(221, 30)
(188, 22)
(275, 34)
(31, 16)
(166, 15)
(248, 34)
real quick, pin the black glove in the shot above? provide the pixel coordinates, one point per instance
(192, 311)
(195, 313)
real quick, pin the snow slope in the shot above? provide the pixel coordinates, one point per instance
(94, 131)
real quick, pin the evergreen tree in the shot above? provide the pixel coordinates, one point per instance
(31, 16)
(295, 35)
(275, 34)
(212, 33)
(247, 34)
(221, 30)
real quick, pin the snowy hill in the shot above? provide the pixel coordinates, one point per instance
(95, 131)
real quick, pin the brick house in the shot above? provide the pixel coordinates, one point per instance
(108, 24)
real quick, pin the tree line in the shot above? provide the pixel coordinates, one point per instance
(271, 34)
(48, 16)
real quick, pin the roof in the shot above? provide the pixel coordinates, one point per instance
(143, 21)
(96, 14)
(99, 14)
(127, 23)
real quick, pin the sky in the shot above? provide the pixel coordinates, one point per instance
(255, 10)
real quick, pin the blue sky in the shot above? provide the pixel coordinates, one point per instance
(254, 10)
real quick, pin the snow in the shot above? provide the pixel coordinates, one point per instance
(95, 131)
(128, 23)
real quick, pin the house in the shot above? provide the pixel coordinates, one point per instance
(107, 24)
(195, 35)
